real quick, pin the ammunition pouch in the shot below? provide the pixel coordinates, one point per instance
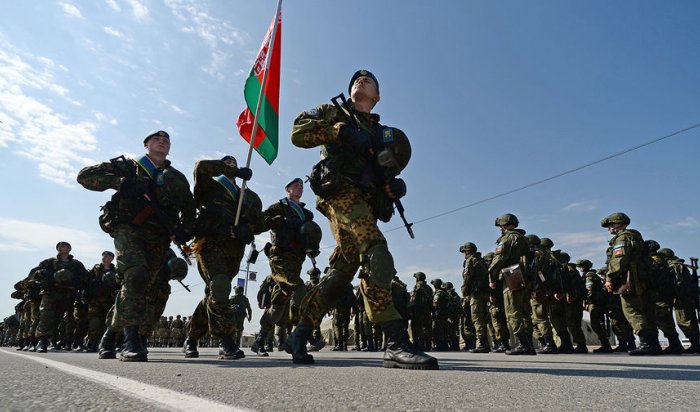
(324, 178)
(513, 277)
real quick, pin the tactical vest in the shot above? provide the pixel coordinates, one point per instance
(288, 237)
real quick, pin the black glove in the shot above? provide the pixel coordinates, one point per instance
(313, 253)
(397, 187)
(133, 189)
(244, 173)
(242, 233)
(356, 138)
(181, 236)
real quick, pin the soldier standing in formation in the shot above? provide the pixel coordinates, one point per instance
(242, 311)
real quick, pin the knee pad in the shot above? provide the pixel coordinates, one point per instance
(220, 288)
(379, 265)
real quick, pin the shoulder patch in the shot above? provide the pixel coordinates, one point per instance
(499, 248)
(619, 249)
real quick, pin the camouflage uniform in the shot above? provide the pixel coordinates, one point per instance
(29, 290)
(685, 305)
(595, 305)
(100, 293)
(142, 246)
(575, 293)
(441, 306)
(459, 321)
(218, 253)
(241, 307)
(475, 290)
(663, 281)
(177, 331)
(420, 306)
(341, 319)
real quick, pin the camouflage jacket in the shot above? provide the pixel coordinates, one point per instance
(284, 223)
(51, 265)
(216, 196)
(511, 248)
(102, 285)
(169, 187)
(243, 304)
(441, 303)
(626, 255)
(595, 293)
(475, 275)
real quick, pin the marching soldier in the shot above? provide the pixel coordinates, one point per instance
(420, 306)
(594, 303)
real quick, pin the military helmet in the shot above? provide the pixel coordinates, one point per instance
(507, 219)
(585, 264)
(178, 268)
(546, 242)
(449, 285)
(564, 257)
(178, 316)
(63, 243)
(239, 290)
(170, 317)
(666, 252)
(419, 276)
(615, 218)
(533, 240)
(311, 232)
(396, 154)
(436, 282)
(18, 294)
(63, 277)
(652, 245)
(468, 247)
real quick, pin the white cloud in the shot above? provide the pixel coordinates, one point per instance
(582, 245)
(175, 108)
(113, 32)
(585, 206)
(25, 236)
(216, 33)
(688, 222)
(113, 5)
(71, 10)
(34, 130)
(138, 9)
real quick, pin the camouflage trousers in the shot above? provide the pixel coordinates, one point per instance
(421, 328)
(574, 316)
(440, 329)
(498, 321)
(640, 312)
(462, 327)
(557, 317)
(218, 261)
(541, 309)
(30, 318)
(619, 325)
(341, 324)
(54, 305)
(687, 319)
(97, 319)
(140, 255)
(289, 289)
(480, 317)
(275, 315)
(156, 297)
(518, 310)
(597, 314)
(80, 314)
(357, 237)
(664, 319)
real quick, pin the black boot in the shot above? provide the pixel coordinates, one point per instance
(133, 346)
(566, 345)
(22, 344)
(581, 347)
(78, 346)
(675, 347)
(43, 345)
(296, 344)
(541, 344)
(228, 349)
(604, 347)
(107, 349)
(621, 346)
(91, 346)
(482, 346)
(32, 345)
(549, 348)
(400, 353)
(647, 347)
(530, 344)
(258, 347)
(191, 348)
(500, 346)
(523, 347)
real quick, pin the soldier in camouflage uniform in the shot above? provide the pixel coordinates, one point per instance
(440, 309)
(594, 302)
(618, 323)
(508, 262)
(177, 331)
(498, 324)
(685, 304)
(663, 281)
(459, 321)
(99, 294)
(28, 289)
(575, 289)
(291, 225)
(354, 190)
(242, 310)
(421, 308)
(557, 313)
(220, 246)
(153, 206)
(628, 273)
(475, 290)
(341, 319)
(545, 284)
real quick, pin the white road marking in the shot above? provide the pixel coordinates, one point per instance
(167, 398)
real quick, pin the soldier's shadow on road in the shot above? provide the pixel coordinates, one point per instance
(632, 370)
(273, 362)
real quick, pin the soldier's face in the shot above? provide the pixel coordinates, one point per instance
(295, 190)
(158, 144)
(107, 259)
(63, 249)
(365, 87)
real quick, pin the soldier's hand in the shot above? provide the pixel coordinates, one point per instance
(609, 286)
(242, 232)
(557, 296)
(396, 188)
(244, 173)
(180, 236)
(355, 138)
(569, 299)
(492, 285)
(313, 253)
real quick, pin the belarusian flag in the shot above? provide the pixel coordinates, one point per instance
(266, 134)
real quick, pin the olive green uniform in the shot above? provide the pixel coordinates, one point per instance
(685, 303)
(100, 293)
(663, 281)
(420, 306)
(241, 309)
(595, 305)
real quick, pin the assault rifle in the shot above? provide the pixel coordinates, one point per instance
(351, 117)
(124, 169)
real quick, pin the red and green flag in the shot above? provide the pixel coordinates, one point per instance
(266, 133)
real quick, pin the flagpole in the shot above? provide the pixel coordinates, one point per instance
(257, 109)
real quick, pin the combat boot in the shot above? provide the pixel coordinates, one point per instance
(530, 345)
(550, 347)
(369, 347)
(481, 347)
(77, 346)
(191, 348)
(523, 347)
(541, 344)
(675, 347)
(32, 345)
(296, 344)
(133, 346)
(316, 345)
(91, 346)
(646, 348)
(500, 346)
(694, 346)
(228, 349)
(621, 346)
(336, 348)
(258, 346)
(22, 344)
(400, 353)
(43, 345)
(604, 347)
(107, 349)
(144, 343)
(566, 345)
(581, 348)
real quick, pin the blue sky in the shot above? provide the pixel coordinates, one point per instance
(493, 95)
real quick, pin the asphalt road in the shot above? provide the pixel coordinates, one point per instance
(347, 381)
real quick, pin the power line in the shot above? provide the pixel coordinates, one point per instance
(556, 176)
